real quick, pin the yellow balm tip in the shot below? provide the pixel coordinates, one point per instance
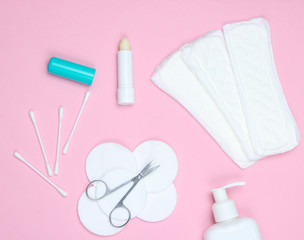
(124, 44)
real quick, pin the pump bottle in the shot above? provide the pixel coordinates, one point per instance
(229, 226)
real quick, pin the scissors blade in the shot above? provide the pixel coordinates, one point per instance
(145, 169)
(150, 170)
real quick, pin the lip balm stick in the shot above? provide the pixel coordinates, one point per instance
(62, 192)
(58, 142)
(65, 149)
(49, 170)
(125, 91)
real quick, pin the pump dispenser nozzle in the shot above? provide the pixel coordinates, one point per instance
(224, 208)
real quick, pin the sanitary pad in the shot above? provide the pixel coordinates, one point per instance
(208, 59)
(174, 78)
(233, 92)
(271, 125)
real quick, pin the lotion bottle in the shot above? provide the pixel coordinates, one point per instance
(229, 226)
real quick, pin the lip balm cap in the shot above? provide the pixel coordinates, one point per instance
(71, 70)
(125, 96)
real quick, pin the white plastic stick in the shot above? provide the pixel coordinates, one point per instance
(58, 142)
(32, 115)
(65, 149)
(62, 192)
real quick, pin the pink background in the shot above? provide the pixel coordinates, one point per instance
(88, 32)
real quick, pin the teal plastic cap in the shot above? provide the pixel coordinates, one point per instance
(71, 70)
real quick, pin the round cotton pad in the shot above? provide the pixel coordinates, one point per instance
(160, 205)
(93, 218)
(161, 154)
(136, 200)
(106, 157)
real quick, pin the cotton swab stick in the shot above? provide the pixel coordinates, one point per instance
(65, 149)
(62, 192)
(32, 115)
(58, 142)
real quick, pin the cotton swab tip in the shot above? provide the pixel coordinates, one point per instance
(86, 96)
(49, 170)
(65, 149)
(60, 112)
(18, 155)
(32, 115)
(62, 192)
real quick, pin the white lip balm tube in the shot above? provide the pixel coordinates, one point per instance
(125, 91)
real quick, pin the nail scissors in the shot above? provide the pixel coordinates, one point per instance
(120, 205)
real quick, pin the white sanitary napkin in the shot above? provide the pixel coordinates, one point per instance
(152, 200)
(229, 83)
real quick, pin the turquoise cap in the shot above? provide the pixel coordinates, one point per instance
(71, 70)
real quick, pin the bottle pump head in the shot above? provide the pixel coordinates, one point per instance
(224, 208)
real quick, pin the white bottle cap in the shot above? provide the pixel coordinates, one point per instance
(224, 208)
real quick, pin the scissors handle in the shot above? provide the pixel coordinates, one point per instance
(119, 223)
(96, 183)
(121, 206)
(106, 190)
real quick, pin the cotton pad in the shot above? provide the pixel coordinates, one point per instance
(161, 154)
(93, 218)
(108, 156)
(160, 205)
(136, 200)
(208, 59)
(271, 125)
(174, 78)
